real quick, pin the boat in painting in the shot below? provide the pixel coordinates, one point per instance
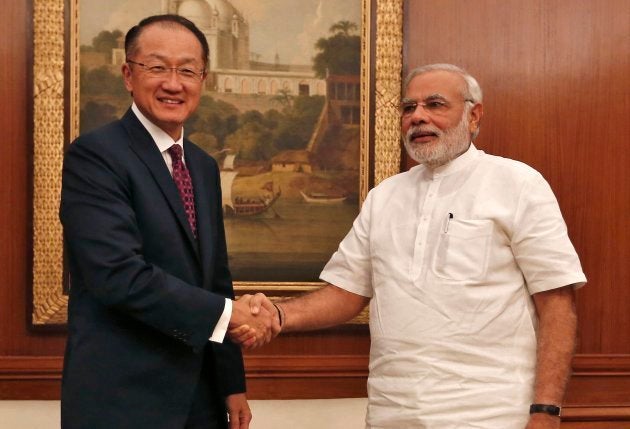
(320, 198)
(236, 205)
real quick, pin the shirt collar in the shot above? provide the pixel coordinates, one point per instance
(162, 140)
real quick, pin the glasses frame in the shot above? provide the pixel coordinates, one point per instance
(415, 103)
(178, 71)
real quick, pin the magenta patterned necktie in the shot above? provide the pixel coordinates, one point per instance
(184, 185)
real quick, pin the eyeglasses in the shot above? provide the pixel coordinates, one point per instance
(433, 105)
(160, 70)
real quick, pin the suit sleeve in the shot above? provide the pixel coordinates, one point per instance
(105, 251)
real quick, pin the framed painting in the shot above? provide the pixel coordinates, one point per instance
(299, 112)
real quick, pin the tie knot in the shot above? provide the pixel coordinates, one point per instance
(176, 152)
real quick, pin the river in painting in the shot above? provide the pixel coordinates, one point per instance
(290, 242)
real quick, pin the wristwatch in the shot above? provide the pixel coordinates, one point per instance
(552, 410)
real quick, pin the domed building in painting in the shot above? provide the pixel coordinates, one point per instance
(232, 67)
(224, 26)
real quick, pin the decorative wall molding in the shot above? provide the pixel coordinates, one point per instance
(597, 414)
(30, 377)
(598, 363)
(283, 366)
(599, 389)
(30, 367)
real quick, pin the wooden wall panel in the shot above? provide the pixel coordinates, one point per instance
(15, 188)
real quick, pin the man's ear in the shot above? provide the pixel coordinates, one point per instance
(126, 73)
(474, 118)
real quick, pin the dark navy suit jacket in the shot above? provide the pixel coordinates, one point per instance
(145, 295)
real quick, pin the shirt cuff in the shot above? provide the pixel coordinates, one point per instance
(221, 327)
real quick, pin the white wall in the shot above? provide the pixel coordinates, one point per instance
(294, 414)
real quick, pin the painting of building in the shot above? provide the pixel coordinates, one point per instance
(284, 128)
(232, 67)
(224, 27)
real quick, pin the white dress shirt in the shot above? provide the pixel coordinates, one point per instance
(450, 258)
(163, 141)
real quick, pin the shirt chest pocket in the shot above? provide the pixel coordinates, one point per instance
(463, 249)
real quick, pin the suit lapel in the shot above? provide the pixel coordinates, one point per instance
(144, 146)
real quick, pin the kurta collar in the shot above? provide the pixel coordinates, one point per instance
(455, 165)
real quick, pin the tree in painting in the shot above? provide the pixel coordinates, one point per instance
(339, 54)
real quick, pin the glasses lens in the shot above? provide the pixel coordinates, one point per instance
(408, 107)
(431, 106)
(188, 74)
(157, 70)
(161, 71)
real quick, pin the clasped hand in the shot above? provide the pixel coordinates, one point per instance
(255, 321)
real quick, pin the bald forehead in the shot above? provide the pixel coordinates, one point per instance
(160, 26)
(148, 32)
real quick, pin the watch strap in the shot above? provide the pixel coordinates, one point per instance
(552, 410)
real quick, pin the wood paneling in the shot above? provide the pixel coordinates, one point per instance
(597, 425)
(15, 188)
(600, 379)
(268, 377)
(30, 377)
(304, 376)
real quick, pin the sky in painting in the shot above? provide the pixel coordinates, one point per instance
(289, 28)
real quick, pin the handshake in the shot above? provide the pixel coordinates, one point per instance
(255, 321)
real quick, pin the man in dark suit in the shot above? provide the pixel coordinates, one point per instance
(151, 293)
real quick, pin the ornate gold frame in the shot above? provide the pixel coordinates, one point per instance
(380, 88)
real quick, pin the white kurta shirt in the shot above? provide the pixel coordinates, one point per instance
(450, 258)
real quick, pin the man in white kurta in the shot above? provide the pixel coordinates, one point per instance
(469, 273)
(449, 258)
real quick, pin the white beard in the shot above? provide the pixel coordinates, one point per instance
(449, 145)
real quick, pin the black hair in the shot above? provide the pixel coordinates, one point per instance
(134, 32)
